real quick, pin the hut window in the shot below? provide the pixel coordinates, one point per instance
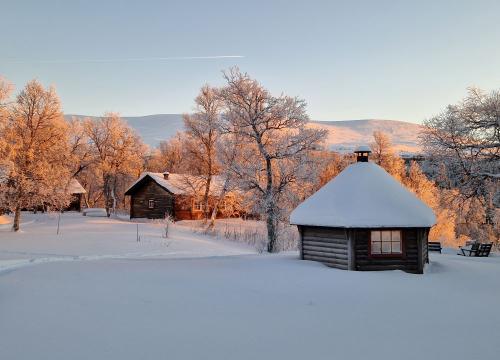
(151, 204)
(385, 242)
(198, 206)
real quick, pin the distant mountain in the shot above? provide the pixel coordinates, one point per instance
(345, 135)
(342, 135)
(152, 128)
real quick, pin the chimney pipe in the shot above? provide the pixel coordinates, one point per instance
(165, 175)
(362, 153)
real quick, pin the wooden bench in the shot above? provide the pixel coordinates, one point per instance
(479, 250)
(434, 246)
(484, 250)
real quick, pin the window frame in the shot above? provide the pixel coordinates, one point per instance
(402, 254)
(200, 207)
(151, 201)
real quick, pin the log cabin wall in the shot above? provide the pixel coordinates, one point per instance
(413, 252)
(326, 245)
(150, 190)
(349, 249)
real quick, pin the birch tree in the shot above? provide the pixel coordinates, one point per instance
(5, 164)
(202, 127)
(276, 142)
(36, 145)
(118, 154)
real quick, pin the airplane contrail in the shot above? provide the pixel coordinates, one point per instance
(71, 61)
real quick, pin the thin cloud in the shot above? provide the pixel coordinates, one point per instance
(145, 59)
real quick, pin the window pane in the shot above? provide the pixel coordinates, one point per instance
(396, 235)
(386, 247)
(375, 235)
(375, 248)
(396, 247)
(386, 236)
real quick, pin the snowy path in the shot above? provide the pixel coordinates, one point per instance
(86, 238)
(250, 307)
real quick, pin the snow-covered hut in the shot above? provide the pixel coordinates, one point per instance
(77, 191)
(364, 219)
(156, 195)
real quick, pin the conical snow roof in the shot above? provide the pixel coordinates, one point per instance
(363, 196)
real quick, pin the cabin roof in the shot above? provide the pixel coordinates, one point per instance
(363, 196)
(178, 184)
(74, 187)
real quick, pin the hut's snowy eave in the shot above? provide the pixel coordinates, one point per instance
(75, 187)
(179, 184)
(363, 196)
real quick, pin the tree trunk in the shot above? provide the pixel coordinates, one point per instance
(270, 209)
(113, 195)
(205, 198)
(106, 194)
(17, 218)
(271, 230)
(217, 204)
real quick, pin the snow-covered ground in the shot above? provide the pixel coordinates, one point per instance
(90, 238)
(151, 300)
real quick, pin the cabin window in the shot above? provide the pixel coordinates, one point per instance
(198, 205)
(151, 204)
(386, 242)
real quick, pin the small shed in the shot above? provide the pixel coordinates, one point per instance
(77, 192)
(364, 219)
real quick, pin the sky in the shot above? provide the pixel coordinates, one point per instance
(403, 60)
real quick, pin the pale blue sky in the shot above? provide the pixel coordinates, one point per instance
(348, 59)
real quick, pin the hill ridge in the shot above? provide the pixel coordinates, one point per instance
(343, 135)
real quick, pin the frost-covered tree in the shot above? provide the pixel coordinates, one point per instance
(228, 152)
(5, 91)
(202, 128)
(80, 151)
(5, 165)
(464, 140)
(36, 145)
(117, 155)
(276, 143)
(381, 146)
(437, 199)
(172, 155)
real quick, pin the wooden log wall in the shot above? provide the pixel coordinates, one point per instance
(326, 245)
(139, 202)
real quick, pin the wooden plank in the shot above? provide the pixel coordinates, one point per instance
(327, 240)
(325, 250)
(325, 255)
(325, 244)
(325, 259)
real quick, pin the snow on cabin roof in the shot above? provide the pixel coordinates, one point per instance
(362, 148)
(363, 196)
(74, 187)
(179, 184)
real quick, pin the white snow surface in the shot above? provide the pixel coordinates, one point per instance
(93, 292)
(84, 238)
(363, 196)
